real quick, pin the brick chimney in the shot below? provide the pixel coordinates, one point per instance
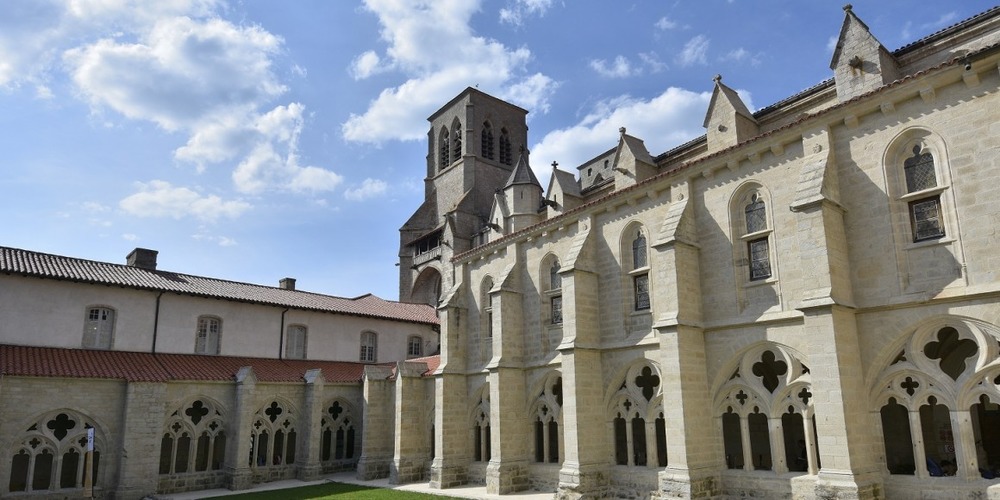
(143, 258)
(287, 283)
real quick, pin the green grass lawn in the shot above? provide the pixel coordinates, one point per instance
(336, 491)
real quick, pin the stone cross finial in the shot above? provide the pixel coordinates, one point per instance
(717, 78)
(555, 164)
(622, 130)
(848, 7)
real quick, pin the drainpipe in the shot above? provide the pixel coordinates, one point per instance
(281, 336)
(156, 320)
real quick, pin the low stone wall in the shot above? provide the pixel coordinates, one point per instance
(638, 483)
(178, 483)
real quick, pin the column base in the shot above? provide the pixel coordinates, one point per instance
(582, 482)
(373, 468)
(685, 483)
(407, 470)
(505, 477)
(447, 474)
(309, 472)
(239, 479)
(847, 486)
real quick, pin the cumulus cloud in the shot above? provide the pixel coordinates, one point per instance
(667, 120)
(161, 199)
(365, 65)
(414, 33)
(619, 68)
(694, 51)
(369, 188)
(516, 11)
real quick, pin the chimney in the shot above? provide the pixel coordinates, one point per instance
(286, 283)
(143, 258)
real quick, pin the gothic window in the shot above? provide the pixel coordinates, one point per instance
(194, 439)
(506, 153)
(758, 251)
(273, 436)
(766, 413)
(925, 212)
(547, 416)
(486, 305)
(557, 316)
(444, 147)
(295, 342)
(50, 455)
(208, 335)
(552, 291)
(896, 438)
(99, 328)
(369, 347)
(414, 346)
(640, 272)
(732, 438)
(939, 439)
(482, 448)
(338, 438)
(456, 142)
(637, 416)
(486, 141)
(986, 430)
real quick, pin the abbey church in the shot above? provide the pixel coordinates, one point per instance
(802, 303)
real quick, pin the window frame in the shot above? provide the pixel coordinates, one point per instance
(304, 341)
(204, 320)
(414, 341)
(93, 326)
(369, 350)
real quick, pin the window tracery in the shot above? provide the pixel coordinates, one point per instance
(338, 435)
(194, 439)
(273, 436)
(547, 418)
(50, 454)
(636, 418)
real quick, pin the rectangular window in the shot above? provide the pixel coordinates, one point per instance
(369, 345)
(641, 282)
(207, 341)
(760, 259)
(295, 343)
(557, 317)
(415, 347)
(99, 328)
(925, 218)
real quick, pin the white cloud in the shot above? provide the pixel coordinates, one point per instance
(369, 188)
(160, 199)
(831, 44)
(741, 55)
(694, 51)
(519, 9)
(415, 32)
(665, 24)
(130, 237)
(619, 68)
(365, 65)
(222, 241)
(665, 121)
(652, 61)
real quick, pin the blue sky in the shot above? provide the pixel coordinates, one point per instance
(261, 139)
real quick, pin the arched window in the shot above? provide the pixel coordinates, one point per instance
(456, 142)
(758, 246)
(369, 347)
(506, 153)
(194, 439)
(338, 438)
(636, 416)
(444, 147)
(49, 455)
(295, 342)
(925, 211)
(414, 346)
(547, 416)
(482, 441)
(639, 272)
(552, 286)
(766, 413)
(99, 328)
(273, 436)
(486, 141)
(208, 336)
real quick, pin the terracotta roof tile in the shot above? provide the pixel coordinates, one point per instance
(35, 264)
(29, 361)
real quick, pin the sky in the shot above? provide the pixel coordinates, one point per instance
(260, 139)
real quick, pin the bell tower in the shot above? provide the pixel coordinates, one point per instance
(472, 148)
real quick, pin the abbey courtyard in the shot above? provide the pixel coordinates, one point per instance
(802, 303)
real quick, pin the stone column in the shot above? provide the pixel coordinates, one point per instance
(145, 411)
(409, 455)
(507, 471)
(308, 463)
(378, 413)
(584, 472)
(692, 446)
(449, 468)
(239, 475)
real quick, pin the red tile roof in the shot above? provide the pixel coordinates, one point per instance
(41, 265)
(29, 361)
